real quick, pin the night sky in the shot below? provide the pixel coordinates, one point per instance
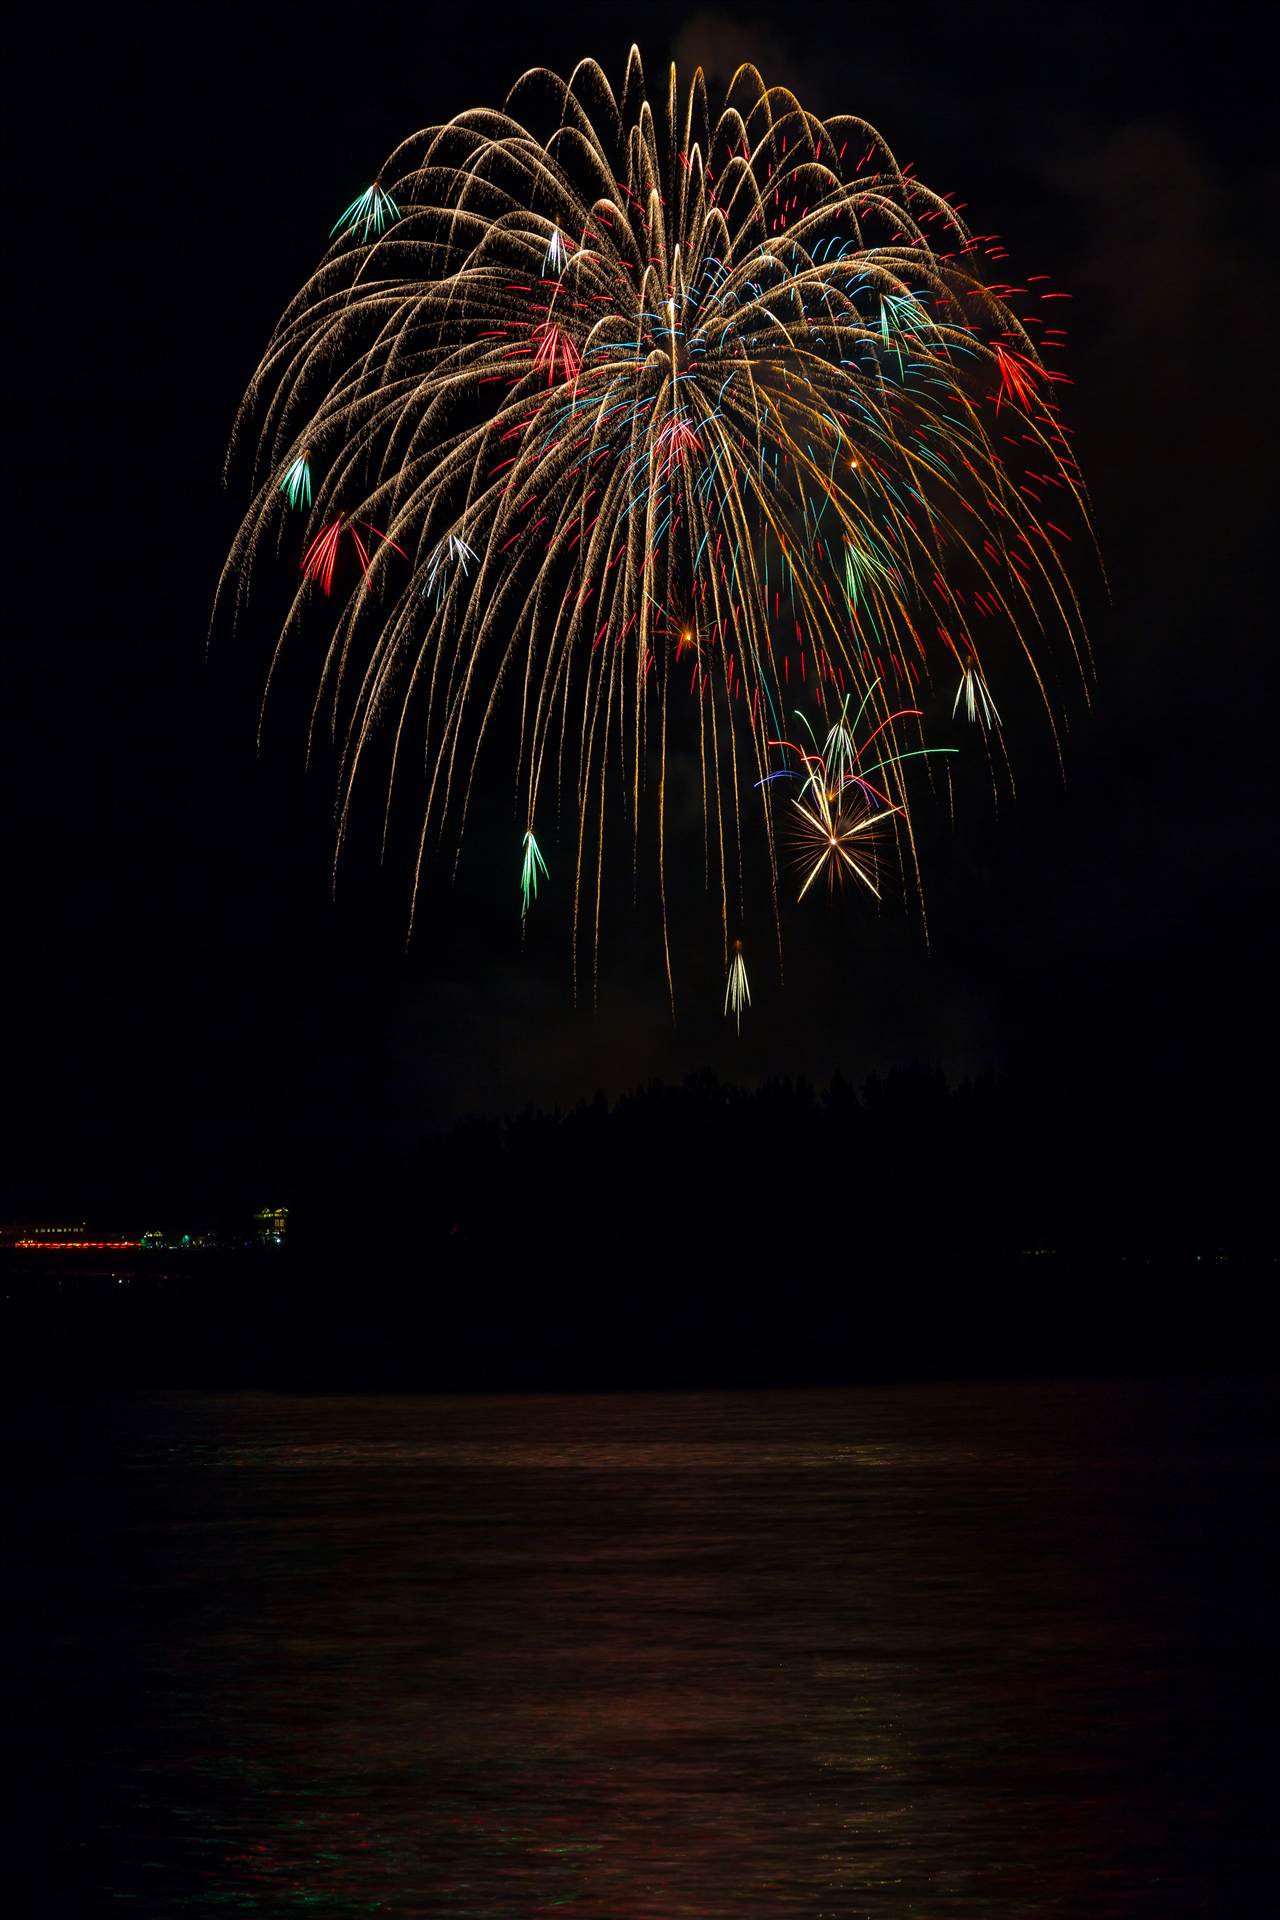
(193, 1015)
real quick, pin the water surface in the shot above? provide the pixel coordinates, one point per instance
(918, 1651)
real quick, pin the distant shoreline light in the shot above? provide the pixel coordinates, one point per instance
(79, 1246)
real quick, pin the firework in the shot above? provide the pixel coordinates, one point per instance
(1018, 375)
(321, 556)
(531, 866)
(448, 553)
(976, 696)
(296, 484)
(555, 353)
(843, 806)
(369, 212)
(837, 837)
(737, 994)
(674, 415)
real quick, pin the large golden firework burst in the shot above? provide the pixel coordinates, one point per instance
(655, 422)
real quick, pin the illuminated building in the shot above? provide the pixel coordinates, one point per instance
(270, 1226)
(73, 1237)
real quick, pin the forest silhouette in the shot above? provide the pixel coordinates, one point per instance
(707, 1234)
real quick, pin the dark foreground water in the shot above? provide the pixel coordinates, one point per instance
(993, 1651)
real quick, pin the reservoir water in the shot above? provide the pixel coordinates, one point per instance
(925, 1651)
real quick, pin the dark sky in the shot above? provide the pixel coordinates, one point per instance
(191, 1011)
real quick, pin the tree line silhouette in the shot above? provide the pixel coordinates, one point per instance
(907, 1164)
(704, 1234)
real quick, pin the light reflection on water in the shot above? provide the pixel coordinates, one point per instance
(901, 1652)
